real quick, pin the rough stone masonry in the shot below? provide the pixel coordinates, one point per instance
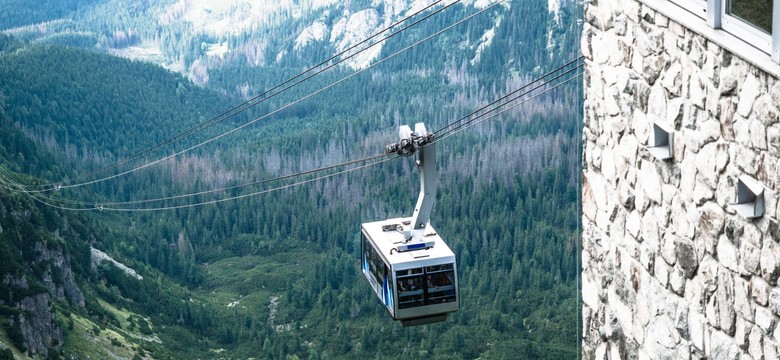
(669, 269)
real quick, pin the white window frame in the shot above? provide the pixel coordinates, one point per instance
(745, 30)
(716, 18)
(776, 31)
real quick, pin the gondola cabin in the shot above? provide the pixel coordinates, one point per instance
(407, 264)
(417, 286)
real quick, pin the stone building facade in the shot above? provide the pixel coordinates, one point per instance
(669, 269)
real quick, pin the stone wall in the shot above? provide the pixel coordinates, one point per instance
(670, 270)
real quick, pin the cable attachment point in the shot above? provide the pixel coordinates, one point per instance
(410, 141)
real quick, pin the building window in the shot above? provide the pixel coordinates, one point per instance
(749, 20)
(757, 13)
(756, 22)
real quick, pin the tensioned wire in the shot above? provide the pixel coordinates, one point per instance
(302, 182)
(3, 175)
(93, 204)
(478, 120)
(249, 103)
(440, 130)
(111, 206)
(459, 122)
(463, 125)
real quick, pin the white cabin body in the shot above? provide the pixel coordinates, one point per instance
(416, 286)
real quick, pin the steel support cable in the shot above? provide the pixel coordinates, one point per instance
(440, 137)
(4, 176)
(458, 121)
(240, 108)
(479, 120)
(7, 182)
(205, 192)
(473, 123)
(210, 202)
(372, 160)
(256, 193)
(509, 94)
(95, 205)
(391, 56)
(461, 124)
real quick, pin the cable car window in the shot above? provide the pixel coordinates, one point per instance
(440, 287)
(410, 290)
(390, 292)
(373, 263)
(364, 247)
(402, 273)
(378, 267)
(431, 285)
(437, 268)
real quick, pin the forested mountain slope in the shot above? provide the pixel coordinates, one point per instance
(276, 275)
(200, 37)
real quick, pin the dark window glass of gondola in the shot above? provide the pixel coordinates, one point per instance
(411, 292)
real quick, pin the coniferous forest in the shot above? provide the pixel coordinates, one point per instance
(277, 275)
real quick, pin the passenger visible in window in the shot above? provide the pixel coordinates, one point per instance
(431, 283)
(443, 280)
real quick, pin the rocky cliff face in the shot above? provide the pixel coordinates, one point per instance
(37, 270)
(670, 269)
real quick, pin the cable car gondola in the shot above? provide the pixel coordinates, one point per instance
(410, 268)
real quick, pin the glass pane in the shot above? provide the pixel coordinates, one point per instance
(756, 12)
(441, 287)
(377, 267)
(404, 273)
(364, 246)
(437, 268)
(410, 292)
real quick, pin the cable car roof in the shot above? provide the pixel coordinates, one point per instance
(387, 240)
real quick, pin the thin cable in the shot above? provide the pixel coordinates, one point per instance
(462, 124)
(508, 95)
(460, 128)
(283, 107)
(474, 123)
(479, 119)
(508, 101)
(469, 125)
(39, 199)
(34, 197)
(234, 187)
(7, 181)
(163, 208)
(249, 103)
